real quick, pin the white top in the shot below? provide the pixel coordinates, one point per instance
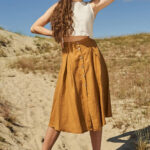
(83, 19)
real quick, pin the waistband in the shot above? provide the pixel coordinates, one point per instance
(82, 41)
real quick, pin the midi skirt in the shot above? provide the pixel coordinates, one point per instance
(81, 99)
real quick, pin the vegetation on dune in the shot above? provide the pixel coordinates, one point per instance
(128, 61)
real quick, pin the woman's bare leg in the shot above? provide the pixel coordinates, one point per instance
(50, 138)
(96, 137)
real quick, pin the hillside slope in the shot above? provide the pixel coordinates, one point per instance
(28, 73)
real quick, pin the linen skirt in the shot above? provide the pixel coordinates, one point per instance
(81, 99)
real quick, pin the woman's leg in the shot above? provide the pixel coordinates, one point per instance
(96, 137)
(50, 138)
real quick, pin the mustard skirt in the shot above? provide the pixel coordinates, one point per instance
(81, 100)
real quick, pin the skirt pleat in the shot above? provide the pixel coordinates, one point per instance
(81, 100)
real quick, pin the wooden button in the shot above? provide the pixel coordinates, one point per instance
(79, 48)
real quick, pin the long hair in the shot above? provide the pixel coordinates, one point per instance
(61, 20)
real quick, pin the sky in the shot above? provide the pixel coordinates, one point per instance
(122, 17)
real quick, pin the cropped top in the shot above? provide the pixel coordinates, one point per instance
(83, 18)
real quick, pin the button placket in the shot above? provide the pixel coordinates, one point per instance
(81, 57)
(85, 83)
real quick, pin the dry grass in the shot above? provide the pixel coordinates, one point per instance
(45, 45)
(47, 58)
(9, 120)
(6, 110)
(40, 64)
(118, 124)
(143, 139)
(128, 61)
(4, 42)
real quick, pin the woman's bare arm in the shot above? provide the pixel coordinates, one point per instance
(38, 26)
(98, 5)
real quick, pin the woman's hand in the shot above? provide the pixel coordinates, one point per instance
(38, 26)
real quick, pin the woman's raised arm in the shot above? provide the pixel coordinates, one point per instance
(38, 26)
(100, 4)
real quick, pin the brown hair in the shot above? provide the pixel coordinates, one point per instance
(61, 20)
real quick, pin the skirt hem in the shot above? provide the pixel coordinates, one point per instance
(71, 131)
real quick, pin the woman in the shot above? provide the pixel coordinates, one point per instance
(82, 99)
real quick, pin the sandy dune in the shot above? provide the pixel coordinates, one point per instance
(25, 105)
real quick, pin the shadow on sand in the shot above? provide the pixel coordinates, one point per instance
(133, 136)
